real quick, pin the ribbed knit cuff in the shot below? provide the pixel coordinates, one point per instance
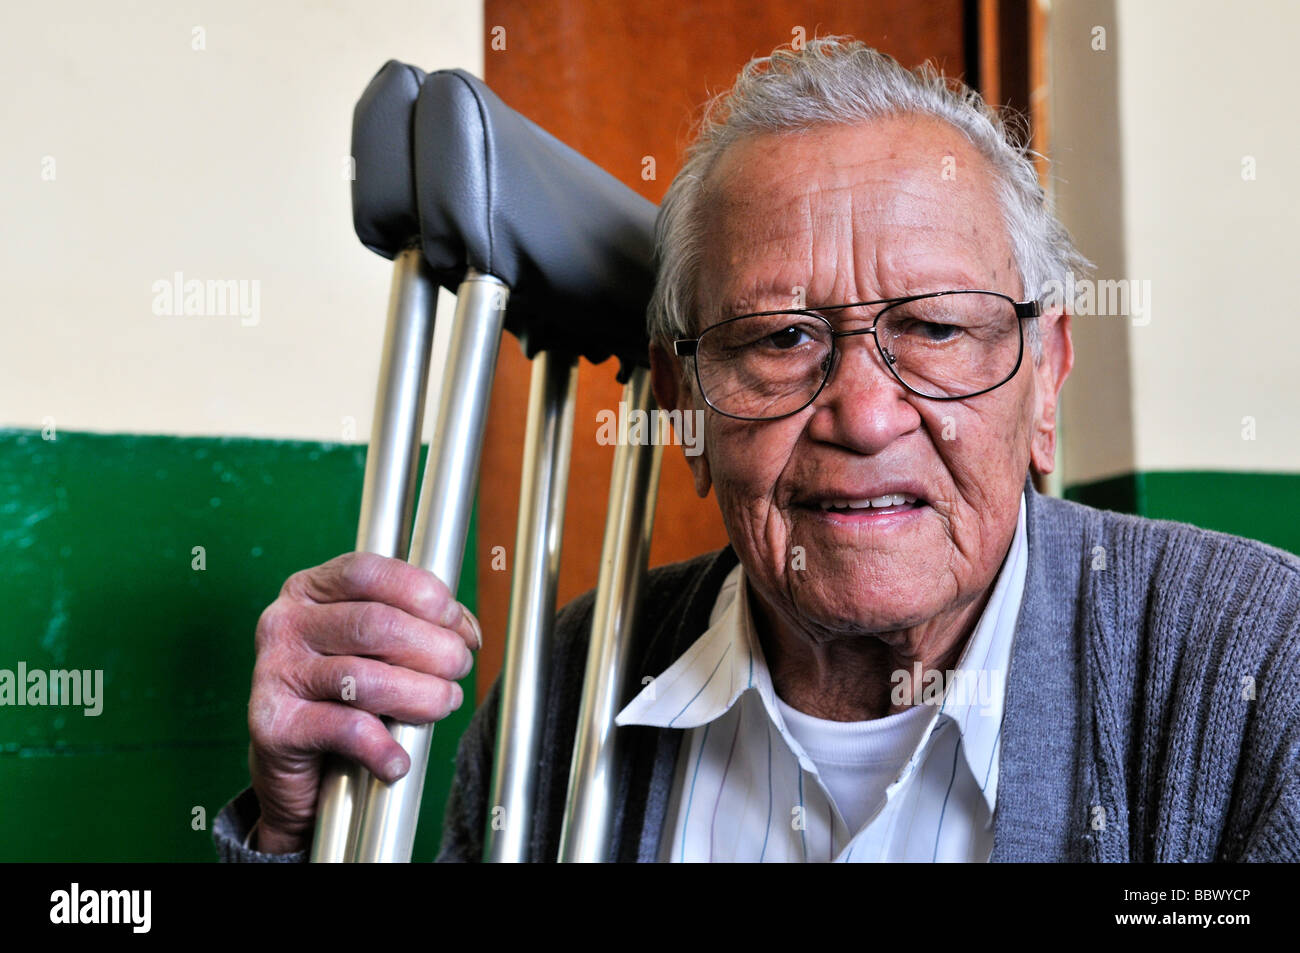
(234, 827)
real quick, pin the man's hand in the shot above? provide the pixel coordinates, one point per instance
(345, 642)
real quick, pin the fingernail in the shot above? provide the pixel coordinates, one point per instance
(457, 696)
(451, 615)
(478, 630)
(394, 770)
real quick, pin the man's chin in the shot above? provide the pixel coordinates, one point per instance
(877, 592)
(864, 561)
(883, 610)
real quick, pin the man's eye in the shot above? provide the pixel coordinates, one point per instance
(787, 338)
(934, 333)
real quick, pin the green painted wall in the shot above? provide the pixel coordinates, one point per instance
(1263, 506)
(96, 535)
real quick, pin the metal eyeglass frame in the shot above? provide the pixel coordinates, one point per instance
(687, 347)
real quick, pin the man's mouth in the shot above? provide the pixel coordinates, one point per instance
(874, 506)
(861, 505)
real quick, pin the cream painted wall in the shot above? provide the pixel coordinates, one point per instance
(1149, 140)
(225, 163)
(1206, 85)
(1096, 429)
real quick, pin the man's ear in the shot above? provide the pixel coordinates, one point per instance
(673, 391)
(1051, 371)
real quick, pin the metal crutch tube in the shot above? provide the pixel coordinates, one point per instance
(586, 834)
(388, 818)
(542, 492)
(387, 499)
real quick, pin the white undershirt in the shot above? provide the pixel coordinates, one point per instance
(857, 760)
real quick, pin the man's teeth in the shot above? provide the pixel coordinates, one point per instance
(877, 502)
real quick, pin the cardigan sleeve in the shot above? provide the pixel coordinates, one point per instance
(465, 818)
(1274, 837)
(1264, 816)
(1277, 836)
(231, 830)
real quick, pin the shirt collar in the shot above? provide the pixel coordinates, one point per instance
(727, 660)
(707, 678)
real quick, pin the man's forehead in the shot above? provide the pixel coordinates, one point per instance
(785, 166)
(901, 206)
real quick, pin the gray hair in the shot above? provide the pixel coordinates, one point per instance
(838, 81)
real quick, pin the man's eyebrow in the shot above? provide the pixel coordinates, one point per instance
(749, 304)
(736, 307)
(924, 280)
(918, 283)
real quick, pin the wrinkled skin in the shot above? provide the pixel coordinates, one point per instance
(346, 642)
(860, 213)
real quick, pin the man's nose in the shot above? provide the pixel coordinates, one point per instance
(863, 406)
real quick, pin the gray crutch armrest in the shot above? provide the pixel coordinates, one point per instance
(442, 161)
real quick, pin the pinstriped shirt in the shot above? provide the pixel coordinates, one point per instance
(746, 790)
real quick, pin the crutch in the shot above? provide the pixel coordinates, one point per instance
(384, 212)
(543, 488)
(587, 831)
(359, 817)
(496, 199)
(387, 495)
(386, 830)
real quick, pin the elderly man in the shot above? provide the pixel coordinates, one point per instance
(905, 653)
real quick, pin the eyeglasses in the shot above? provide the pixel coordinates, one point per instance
(946, 345)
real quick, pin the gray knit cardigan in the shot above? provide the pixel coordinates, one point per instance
(1152, 709)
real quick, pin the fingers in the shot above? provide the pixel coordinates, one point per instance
(366, 577)
(358, 638)
(359, 736)
(377, 631)
(376, 687)
(287, 753)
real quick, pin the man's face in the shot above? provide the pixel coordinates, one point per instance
(880, 210)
